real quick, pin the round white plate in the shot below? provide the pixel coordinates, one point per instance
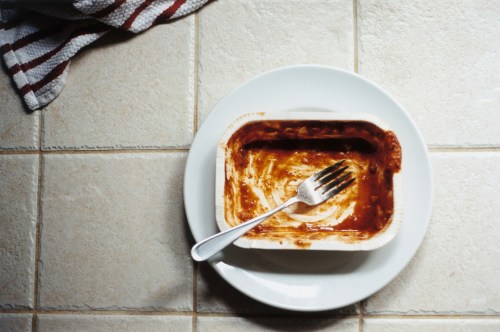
(310, 280)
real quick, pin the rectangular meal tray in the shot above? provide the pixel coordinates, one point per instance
(263, 157)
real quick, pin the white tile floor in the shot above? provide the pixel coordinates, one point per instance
(93, 235)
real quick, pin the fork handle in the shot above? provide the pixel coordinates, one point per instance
(205, 249)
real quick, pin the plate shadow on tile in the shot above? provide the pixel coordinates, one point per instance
(215, 295)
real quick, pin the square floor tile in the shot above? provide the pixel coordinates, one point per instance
(241, 39)
(18, 218)
(15, 322)
(456, 269)
(114, 234)
(128, 91)
(103, 323)
(226, 324)
(431, 325)
(440, 59)
(19, 129)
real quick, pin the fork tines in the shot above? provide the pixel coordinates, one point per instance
(330, 180)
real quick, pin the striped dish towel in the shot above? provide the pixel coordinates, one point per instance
(39, 40)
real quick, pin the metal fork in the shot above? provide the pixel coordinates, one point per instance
(314, 190)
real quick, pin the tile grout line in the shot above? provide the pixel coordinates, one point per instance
(431, 149)
(493, 316)
(196, 72)
(96, 151)
(479, 149)
(361, 315)
(16, 151)
(195, 297)
(34, 317)
(194, 317)
(116, 151)
(282, 315)
(97, 312)
(355, 34)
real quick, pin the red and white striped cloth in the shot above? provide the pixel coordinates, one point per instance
(39, 40)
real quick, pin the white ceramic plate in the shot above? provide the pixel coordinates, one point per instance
(310, 280)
